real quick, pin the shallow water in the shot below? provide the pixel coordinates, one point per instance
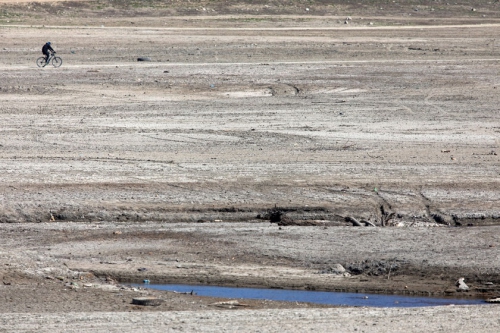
(320, 297)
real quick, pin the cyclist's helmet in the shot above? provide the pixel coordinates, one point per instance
(48, 43)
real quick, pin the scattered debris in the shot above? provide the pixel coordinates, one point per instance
(142, 269)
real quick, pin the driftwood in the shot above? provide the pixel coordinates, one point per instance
(354, 222)
(357, 223)
(385, 217)
(368, 223)
(147, 301)
(185, 293)
(229, 304)
(493, 300)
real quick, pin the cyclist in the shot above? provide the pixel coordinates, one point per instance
(46, 49)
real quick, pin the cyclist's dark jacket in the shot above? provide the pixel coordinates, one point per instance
(46, 48)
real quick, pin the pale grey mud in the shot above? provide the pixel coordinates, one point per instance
(367, 133)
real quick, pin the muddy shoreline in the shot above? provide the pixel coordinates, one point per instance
(423, 261)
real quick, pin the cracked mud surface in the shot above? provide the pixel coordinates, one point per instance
(110, 165)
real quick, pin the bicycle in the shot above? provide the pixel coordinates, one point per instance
(56, 61)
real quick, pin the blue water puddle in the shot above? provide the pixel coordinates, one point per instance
(319, 297)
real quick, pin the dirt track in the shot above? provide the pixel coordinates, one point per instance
(110, 164)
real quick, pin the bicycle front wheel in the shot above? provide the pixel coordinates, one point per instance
(40, 62)
(57, 62)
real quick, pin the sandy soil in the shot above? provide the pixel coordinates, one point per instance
(176, 164)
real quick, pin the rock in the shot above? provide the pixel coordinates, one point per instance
(147, 301)
(461, 285)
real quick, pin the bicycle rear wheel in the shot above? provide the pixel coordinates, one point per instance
(57, 62)
(40, 62)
